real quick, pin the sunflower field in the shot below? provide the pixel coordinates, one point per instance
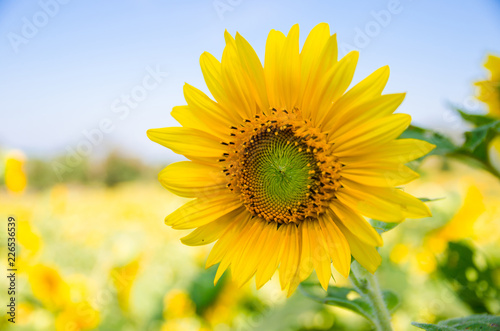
(300, 197)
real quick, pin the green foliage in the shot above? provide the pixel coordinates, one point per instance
(202, 290)
(444, 145)
(382, 227)
(478, 139)
(118, 169)
(476, 120)
(473, 322)
(347, 297)
(474, 150)
(471, 276)
(114, 169)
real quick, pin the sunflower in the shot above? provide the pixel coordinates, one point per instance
(285, 163)
(489, 90)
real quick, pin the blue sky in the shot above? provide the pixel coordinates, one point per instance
(66, 67)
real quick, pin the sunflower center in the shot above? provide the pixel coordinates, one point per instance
(281, 167)
(279, 174)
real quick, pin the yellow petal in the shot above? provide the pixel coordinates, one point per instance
(202, 211)
(193, 144)
(379, 174)
(273, 250)
(252, 254)
(290, 257)
(216, 119)
(191, 179)
(212, 72)
(224, 244)
(365, 254)
(311, 61)
(319, 253)
(383, 204)
(255, 72)
(400, 150)
(314, 43)
(332, 86)
(210, 232)
(337, 245)
(235, 249)
(493, 65)
(235, 82)
(371, 134)
(274, 45)
(359, 226)
(377, 107)
(289, 69)
(306, 259)
(368, 88)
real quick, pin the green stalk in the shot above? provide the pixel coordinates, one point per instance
(366, 285)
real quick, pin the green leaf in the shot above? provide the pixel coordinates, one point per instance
(382, 227)
(473, 322)
(477, 140)
(338, 296)
(444, 146)
(474, 282)
(391, 300)
(477, 120)
(429, 199)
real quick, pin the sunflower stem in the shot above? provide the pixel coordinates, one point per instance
(367, 286)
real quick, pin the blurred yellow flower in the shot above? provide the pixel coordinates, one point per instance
(58, 198)
(177, 304)
(77, 316)
(426, 261)
(187, 324)
(494, 153)
(489, 90)
(461, 226)
(24, 310)
(287, 162)
(226, 306)
(30, 241)
(123, 278)
(48, 286)
(399, 253)
(15, 177)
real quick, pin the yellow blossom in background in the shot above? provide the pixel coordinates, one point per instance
(177, 304)
(461, 226)
(225, 307)
(30, 241)
(187, 324)
(77, 317)
(15, 176)
(48, 286)
(399, 253)
(494, 153)
(425, 261)
(58, 198)
(123, 278)
(24, 313)
(489, 90)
